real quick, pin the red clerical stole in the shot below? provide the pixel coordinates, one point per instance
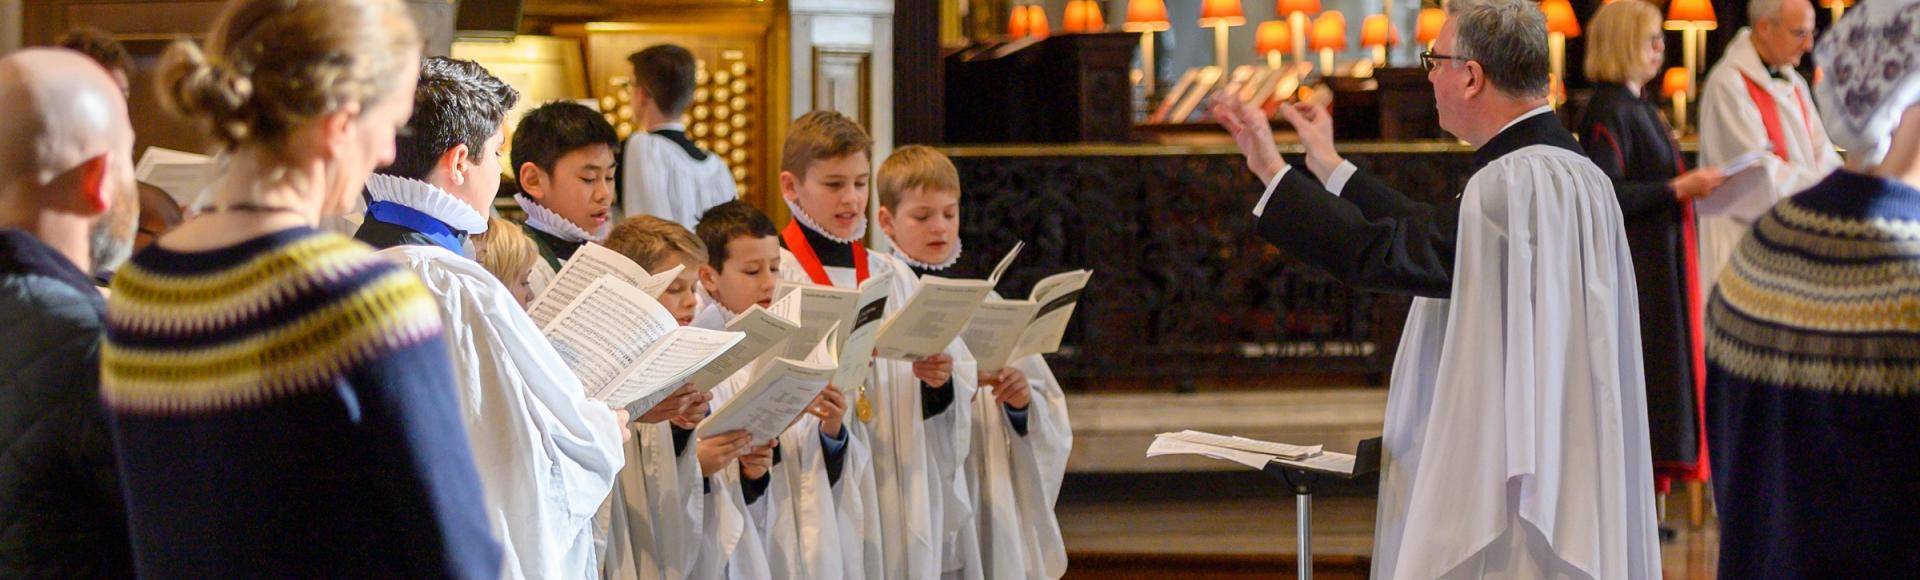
(810, 261)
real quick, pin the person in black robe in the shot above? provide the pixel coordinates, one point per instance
(1624, 134)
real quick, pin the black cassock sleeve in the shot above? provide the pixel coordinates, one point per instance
(1609, 144)
(1370, 237)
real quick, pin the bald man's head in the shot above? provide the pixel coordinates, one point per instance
(67, 146)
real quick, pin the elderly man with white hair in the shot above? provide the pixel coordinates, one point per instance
(1754, 101)
(67, 207)
(1813, 336)
(1515, 442)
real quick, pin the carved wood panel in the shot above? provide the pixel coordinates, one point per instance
(1183, 287)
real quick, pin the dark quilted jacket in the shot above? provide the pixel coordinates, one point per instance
(61, 512)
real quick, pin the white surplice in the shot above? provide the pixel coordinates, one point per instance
(658, 514)
(924, 501)
(1731, 125)
(546, 454)
(1015, 480)
(658, 178)
(860, 538)
(1515, 441)
(736, 546)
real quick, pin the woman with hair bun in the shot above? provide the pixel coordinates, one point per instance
(282, 400)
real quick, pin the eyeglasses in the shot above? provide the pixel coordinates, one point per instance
(1428, 59)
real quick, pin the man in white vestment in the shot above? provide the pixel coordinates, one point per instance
(1515, 442)
(546, 454)
(1754, 101)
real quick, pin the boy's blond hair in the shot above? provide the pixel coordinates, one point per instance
(822, 135)
(914, 167)
(651, 241)
(504, 250)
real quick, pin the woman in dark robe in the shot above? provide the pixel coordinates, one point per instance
(1625, 135)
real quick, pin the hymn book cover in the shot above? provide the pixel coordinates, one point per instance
(937, 313)
(852, 317)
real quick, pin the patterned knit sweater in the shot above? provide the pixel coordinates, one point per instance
(284, 408)
(1813, 347)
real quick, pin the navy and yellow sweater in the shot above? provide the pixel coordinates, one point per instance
(1813, 386)
(284, 408)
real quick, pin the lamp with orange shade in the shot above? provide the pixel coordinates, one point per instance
(1218, 15)
(1147, 17)
(1329, 34)
(1272, 39)
(1561, 25)
(1377, 33)
(1838, 7)
(1431, 19)
(1676, 86)
(1037, 25)
(1693, 18)
(1083, 16)
(1017, 25)
(1298, 13)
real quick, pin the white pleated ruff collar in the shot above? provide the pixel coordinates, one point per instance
(545, 220)
(423, 197)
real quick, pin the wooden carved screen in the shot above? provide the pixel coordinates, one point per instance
(738, 90)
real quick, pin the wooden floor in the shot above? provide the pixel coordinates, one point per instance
(1254, 538)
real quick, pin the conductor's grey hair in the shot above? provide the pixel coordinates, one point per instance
(1509, 40)
(1762, 11)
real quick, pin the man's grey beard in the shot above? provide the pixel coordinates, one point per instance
(109, 248)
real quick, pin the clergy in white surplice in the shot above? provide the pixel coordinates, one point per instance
(662, 172)
(1754, 101)
(1515, 442)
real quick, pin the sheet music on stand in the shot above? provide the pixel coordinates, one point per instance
(1301, 467)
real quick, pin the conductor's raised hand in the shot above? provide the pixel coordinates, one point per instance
(1248, 124)
(935, 370)
(831, 407)
(1314, 123)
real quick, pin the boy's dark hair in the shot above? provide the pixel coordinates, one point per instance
(553, 130)
(98, 45)
(666, 72)
(457, 103)
(727, 222)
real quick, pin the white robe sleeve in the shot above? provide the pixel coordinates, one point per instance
(1016, 480)
(546, 453)
(1532, 459)
(662, 497)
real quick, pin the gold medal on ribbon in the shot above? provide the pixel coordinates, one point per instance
(863, 407)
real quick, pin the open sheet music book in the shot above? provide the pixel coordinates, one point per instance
(589, 264)
(937, 314)
(184, 176)
(778, 393)
(854, 316)
(1004, 330)
(1251, 453)
(627, 349)
(762, 333)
